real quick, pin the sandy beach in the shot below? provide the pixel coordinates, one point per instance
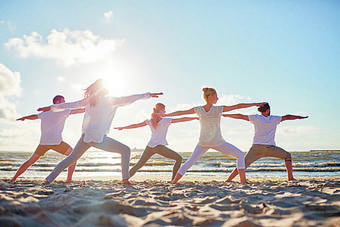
(195, 201)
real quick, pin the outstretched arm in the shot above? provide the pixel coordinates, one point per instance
(241, 106)
(138, 125)
(30, 117)
(292, 117)
(179, 113)
(155, 95)
(77, 111)
(183, 119)
(44, 109)
(125, 100)
(237, 116)
(63, 106)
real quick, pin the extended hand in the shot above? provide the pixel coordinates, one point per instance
(21, 119)
(155, 95)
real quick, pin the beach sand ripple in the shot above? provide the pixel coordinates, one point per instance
(306, 202)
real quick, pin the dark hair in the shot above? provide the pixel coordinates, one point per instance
(263, 108)
(57, 98)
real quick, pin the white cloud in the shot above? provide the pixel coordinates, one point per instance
(7, 109)
(2, 22)
(19, 135)
(108, 16)
(65, 47)
(9, 86)
(9, 82)
(288, 130)
(232, 99)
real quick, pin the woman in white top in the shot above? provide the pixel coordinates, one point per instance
(157, 144)
(211, 136)
(99, 112)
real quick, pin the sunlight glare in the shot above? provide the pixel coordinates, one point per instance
(115, 82)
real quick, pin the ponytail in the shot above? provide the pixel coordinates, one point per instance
(156, 116)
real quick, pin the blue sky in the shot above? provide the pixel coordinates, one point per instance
(284, 52)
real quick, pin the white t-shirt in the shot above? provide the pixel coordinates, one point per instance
(52, 125)
(97, 119)
(158, 135)
(210, 126)
(265, 128)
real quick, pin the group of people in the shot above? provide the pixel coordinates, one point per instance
(100, 108)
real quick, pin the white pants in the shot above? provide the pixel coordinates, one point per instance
(225, 148)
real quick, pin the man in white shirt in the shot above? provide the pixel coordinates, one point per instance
(52, 125)
(264, 138)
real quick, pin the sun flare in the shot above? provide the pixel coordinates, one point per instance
(114, 81)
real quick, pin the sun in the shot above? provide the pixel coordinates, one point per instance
(115, 85)
(114, 81)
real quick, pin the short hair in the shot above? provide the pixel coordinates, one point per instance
(263, 108)
(57, 98)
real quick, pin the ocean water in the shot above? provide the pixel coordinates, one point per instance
(100, 163)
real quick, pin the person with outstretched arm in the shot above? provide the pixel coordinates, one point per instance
(157, 145)
(264, 138)
(210, 135)
(52, 125)
(100, 109)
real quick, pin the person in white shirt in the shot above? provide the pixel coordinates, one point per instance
(99, 112)
(52, 125)
(211, 136)
(157, 144)
(264, 138)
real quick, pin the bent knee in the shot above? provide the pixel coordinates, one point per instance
(126, 151)
(240, 155)
(179, 159)
(288, 157)
(69, 151)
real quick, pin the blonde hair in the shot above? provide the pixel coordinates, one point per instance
(208, 91)
(155, 116)
(95, 90)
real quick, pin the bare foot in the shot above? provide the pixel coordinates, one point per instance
(177, 178)
(126, 182)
